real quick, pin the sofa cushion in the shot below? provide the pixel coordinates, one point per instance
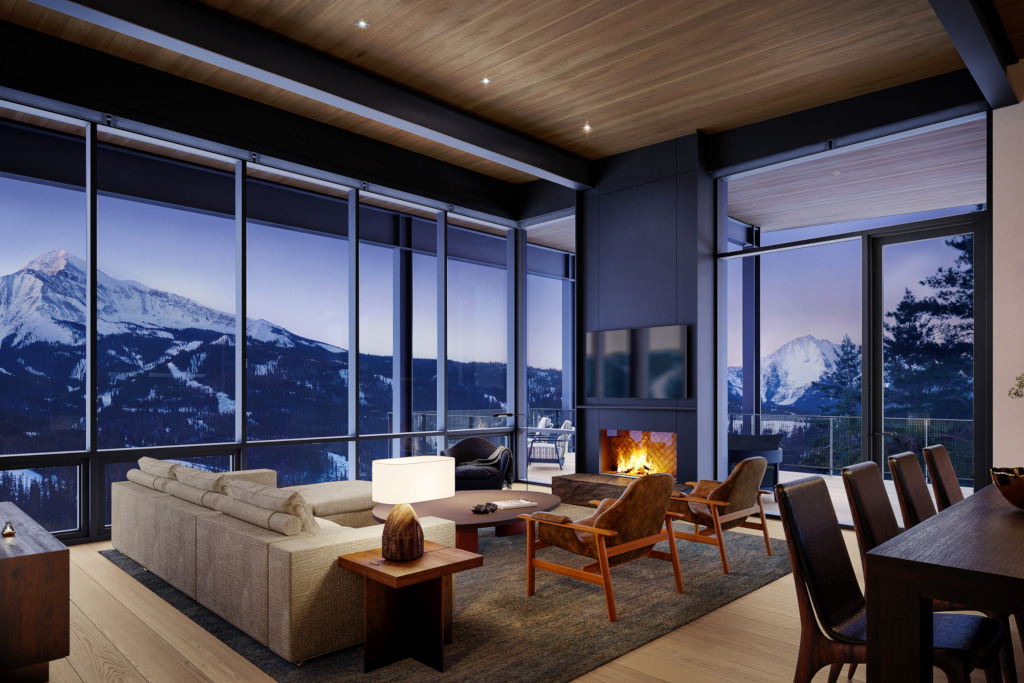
(475, 472)
(159, 468)
(148, 480)
(332, 498)
(278, 500)
(281, 522)
(208, 499)
(201, 479)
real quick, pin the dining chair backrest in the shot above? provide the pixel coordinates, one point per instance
(821, 562)
(911, 489)
(874, 520)
(944, 481)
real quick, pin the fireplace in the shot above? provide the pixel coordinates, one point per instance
(636, 453)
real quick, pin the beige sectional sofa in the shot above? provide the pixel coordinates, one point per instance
(271, 573)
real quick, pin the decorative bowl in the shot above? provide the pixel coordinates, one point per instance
(1010, 482)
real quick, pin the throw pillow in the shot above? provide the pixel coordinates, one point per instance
(278, 500)
(158, 468)
(148, 480)
(201, 479)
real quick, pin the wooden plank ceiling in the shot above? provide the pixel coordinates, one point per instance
(640, 71)
(934, 170)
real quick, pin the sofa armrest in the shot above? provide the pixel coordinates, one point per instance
(264, 477)
(315, 605)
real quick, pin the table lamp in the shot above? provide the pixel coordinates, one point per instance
(401, 481)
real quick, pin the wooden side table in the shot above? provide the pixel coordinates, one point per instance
(35, 617)
(408, 605)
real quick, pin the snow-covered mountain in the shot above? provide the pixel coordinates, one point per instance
(45, 302)
(788, 372)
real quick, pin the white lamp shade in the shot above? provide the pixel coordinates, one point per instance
(413, 479)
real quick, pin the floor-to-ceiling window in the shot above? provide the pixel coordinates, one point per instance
(849, 302)
(478, 352)
(227, 315)
(297, 331)
(42, 315)
(550, 401)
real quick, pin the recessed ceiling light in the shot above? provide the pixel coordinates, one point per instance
(587, 128)
(835, 172)
(485, 80)
(363, 24)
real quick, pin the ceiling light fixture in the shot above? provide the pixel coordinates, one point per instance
(486, 81)
(363, 24)
(587, 128)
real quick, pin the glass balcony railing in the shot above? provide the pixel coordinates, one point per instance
(825, 444)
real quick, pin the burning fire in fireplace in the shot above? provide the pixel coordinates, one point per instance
(623, 453)
(635, 463)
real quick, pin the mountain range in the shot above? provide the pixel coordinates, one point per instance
(787, 375)
(166, 366)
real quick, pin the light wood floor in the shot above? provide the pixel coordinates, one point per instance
(120, 631)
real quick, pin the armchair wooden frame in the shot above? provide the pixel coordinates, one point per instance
(599, 571)
(712, 535)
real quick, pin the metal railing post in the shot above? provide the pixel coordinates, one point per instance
(831, 442)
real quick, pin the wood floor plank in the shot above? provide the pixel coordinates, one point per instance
(619, 673)
(205, 651)
(149, 653)
(61, 671)
(94, 657)
(123, 632)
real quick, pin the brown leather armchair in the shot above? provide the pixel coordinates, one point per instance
(721, 505)
(620, 530)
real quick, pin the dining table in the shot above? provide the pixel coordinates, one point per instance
(970, 553)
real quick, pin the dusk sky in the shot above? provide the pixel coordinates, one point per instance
(817, 290)
(295, 279)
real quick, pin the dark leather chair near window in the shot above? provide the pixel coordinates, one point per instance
(944, 480)
(874, 522)
(471, 474)
(620, 530)
(721, 505)
(911, 489)
(828, 594)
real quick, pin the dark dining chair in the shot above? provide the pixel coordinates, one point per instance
(874, 523)
(911, 489)
(833, 612)
(944, 481)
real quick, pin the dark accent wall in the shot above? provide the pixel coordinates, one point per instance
(645, 253)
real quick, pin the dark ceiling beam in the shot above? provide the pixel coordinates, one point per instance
(847, 122)
(217, 38)
(979, 36)
(87, 84)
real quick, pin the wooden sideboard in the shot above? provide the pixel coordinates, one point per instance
(34, 592)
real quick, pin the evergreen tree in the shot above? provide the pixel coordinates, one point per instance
(929, 344)
(841, 384)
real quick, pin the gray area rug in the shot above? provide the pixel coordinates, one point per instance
(558, 634)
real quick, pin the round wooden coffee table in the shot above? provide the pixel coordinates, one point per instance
(456, 508)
